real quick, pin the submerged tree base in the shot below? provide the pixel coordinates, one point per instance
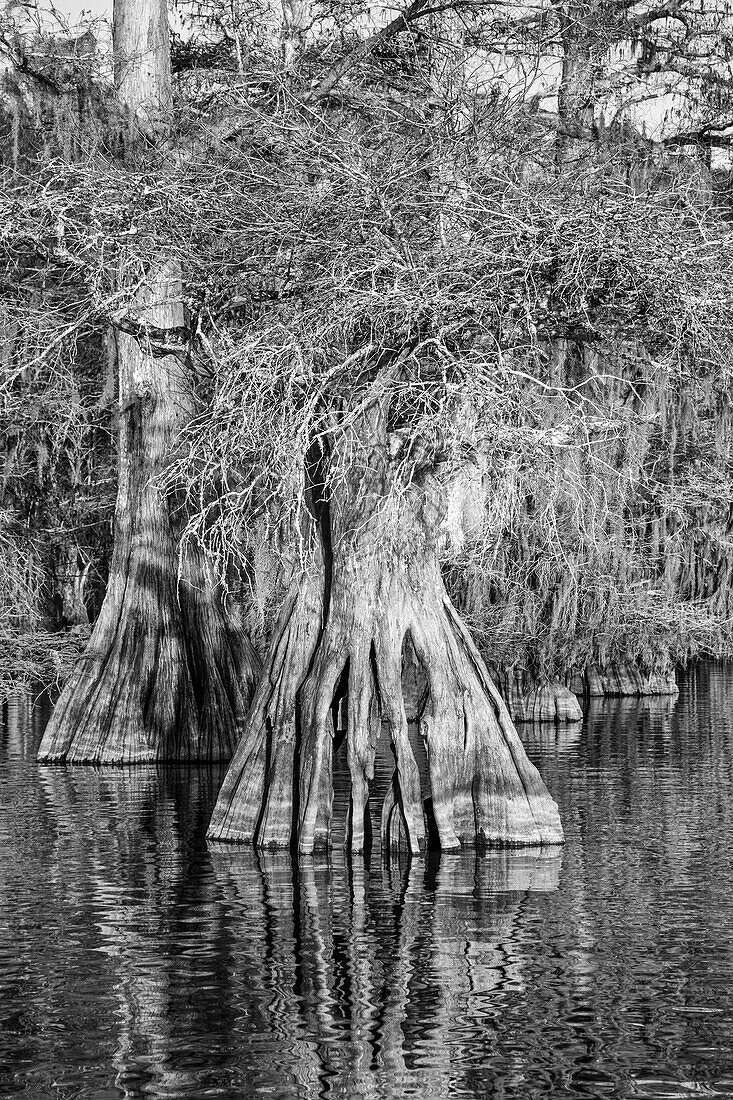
(165, 676)
(164, 681)
(623, 679)
(279, 789)
(530, 700)
(341, 647)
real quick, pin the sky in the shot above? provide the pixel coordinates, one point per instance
(74, 10)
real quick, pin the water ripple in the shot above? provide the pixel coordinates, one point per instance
(136, 962)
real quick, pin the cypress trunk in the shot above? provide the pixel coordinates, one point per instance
(345, 628)
(165, 675)
(576, 94)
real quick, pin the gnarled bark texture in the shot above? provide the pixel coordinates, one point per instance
(345, 627)
(625, 679)
(164, 675)
(531, 700)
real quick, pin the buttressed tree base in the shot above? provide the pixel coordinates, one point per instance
(165, 675)
(348, 624)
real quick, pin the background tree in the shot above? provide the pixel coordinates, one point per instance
(164, 675)
(57, 469)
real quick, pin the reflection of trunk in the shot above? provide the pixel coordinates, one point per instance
(22, 718)
(374, 986)
(279, 787)
(120, 868)
(161, 678)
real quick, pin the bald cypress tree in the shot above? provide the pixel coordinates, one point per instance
(164, 676)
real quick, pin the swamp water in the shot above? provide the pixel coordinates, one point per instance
(136, 962)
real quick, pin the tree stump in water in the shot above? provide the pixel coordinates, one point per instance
(346, 623)
(624, 679)
(164, 676)
(530, 700)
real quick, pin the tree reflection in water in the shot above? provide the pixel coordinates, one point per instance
(374, 980)
(136, 962)
(123, 861)
(305, 978)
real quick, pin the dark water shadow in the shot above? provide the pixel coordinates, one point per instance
(135, 961)
(190, 971)
(369, 976)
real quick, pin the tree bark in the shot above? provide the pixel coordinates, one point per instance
(538, 700)
(347, 623)
(142, 70)
(70, 581)
(576, 98)
(164, 676)
(296, 19)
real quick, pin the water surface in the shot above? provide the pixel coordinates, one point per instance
(136, 962)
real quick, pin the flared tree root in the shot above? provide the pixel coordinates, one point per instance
(279, 788)
(623, 679)
(531, 700)
(164, 677)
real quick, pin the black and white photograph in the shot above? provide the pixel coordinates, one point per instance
(366, 549)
